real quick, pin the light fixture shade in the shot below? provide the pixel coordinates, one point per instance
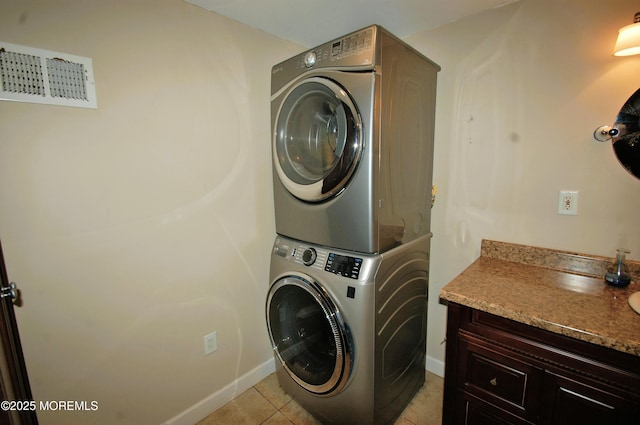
(628, 41)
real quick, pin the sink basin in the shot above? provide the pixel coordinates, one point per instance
(634, 301)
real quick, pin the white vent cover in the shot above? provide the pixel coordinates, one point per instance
(42, 76)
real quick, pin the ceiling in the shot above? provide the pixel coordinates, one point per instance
(313, 22)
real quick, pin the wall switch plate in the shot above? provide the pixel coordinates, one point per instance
(568, 202)
(210, 343)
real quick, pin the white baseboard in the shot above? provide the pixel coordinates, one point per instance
(205, 407)
(435, 366)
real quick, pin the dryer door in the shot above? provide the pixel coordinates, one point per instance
(317, 139)
(308, 335)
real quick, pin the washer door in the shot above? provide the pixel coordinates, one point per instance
(308, 335)
(317, 139)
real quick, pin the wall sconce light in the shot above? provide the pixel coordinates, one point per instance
(629, 39)
(604, 133)
(624, 135)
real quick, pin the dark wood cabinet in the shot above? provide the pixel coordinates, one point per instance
(500, 372)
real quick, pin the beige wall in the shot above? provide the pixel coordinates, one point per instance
(135, 229)
(521, 91)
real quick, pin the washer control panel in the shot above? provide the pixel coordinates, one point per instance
(343, 265)
(319, 258)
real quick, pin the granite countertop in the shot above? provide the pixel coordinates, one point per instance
(560, 291)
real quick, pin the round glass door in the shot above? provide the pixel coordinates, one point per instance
(317, 139)
(308, 335)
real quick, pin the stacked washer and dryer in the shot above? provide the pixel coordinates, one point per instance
(352, 128)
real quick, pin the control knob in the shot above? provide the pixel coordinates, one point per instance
(309, 256)
(310, 59)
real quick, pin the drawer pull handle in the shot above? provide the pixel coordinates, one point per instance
(494, 382)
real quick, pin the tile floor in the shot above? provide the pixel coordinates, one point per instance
(267, 404)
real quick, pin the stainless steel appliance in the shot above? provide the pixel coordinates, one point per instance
(349, 329)
(353, 123)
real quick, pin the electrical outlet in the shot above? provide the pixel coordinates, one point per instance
(210, 343)
(568, 202)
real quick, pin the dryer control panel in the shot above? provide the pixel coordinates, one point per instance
(355, 51)
(359, 44)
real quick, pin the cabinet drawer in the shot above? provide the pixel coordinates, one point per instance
(499, 376)
(474, 411)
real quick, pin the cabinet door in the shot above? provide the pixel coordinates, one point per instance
(569, 402)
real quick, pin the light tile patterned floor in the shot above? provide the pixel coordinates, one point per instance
(267, 404)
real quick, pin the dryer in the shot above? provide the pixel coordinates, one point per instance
(348, 330)
(352, 140)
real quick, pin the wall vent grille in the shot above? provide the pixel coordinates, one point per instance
(42, 76)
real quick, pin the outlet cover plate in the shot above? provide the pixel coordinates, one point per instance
(568, 202)
(210, 343)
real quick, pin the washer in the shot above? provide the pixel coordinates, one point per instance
(352, 141)
(349, 331)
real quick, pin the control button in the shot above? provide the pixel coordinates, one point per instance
(310, 59)
(281, 250)
(309, 256)
(351, 292)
